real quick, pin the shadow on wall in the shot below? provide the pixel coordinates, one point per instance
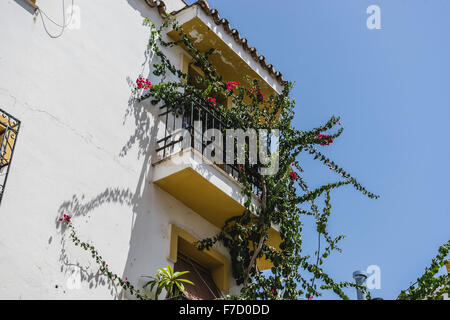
(139, 201)
(78, 207)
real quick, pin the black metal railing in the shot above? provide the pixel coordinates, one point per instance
(184, 114)
(9, 129)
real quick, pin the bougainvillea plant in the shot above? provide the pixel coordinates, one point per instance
(429, 286)
(126, 285)
(284, 196)
(165, 279)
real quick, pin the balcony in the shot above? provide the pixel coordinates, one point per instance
(209, 186)
(232, 56)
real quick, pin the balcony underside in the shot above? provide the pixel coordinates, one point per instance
(201, 196)
(230, 60)
(206, 189)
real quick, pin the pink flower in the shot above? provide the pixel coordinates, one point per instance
(126, 279)
(339, 123)
(212, 100)
(293, 175)
(310, 298)
(232, 85)
(259, 94)
(324, 136)
(66, 218)
(143, 83)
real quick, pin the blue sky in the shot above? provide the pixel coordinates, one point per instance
(391, 89)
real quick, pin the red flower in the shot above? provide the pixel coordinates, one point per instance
(339, 123)
(293, 175)
(212, 100)
(126, 279)
(259, 94)
(232, 85)
(324, 136)
(66, 218)
(143, 83)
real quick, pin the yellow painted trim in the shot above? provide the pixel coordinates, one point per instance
(32, 3)
(229, 102)
(229, 63)
(185, 64)
(218, 264)
(187, 59)
(185, 68)
(207, 200)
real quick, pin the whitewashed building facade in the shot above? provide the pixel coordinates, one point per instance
(85, 149)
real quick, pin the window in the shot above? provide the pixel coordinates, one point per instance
(208, 269)
(205, 288)
(9, 128)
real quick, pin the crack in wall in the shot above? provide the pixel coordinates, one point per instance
(86, 137)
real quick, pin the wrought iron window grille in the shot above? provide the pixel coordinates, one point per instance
(9, 129)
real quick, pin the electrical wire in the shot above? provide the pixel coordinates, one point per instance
(63, 26)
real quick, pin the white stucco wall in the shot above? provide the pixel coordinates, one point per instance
(82, 150)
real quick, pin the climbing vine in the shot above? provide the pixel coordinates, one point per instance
(165, 279)
(103, 266)
(285, 196)
(428, 286)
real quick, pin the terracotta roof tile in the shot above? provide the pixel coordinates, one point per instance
(214, 13)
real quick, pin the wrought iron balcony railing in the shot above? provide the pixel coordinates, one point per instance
(187, 114)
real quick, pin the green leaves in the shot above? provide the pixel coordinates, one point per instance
(126, 285)
(428, 286)
(167, 279)
(284, 197)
